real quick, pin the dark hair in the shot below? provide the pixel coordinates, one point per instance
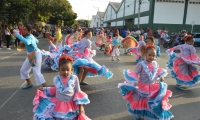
(28, 27)
(109, 36)
(86, 32)
(151, 38)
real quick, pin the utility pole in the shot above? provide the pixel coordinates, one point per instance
(140, 2)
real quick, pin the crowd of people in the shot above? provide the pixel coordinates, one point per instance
(144, 88)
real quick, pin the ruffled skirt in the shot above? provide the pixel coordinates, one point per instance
(136, 51)
(93, 68)
(48, 107)
(148, 101)
(183, 69)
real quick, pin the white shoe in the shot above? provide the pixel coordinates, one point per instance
(9, 49)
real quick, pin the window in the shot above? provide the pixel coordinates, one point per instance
(197, 36)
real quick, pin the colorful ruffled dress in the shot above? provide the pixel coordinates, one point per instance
(108, 46)
(51, 57)
(182, 66)
(136, 51)
(148, 100)
(86, 61)
(61, 101)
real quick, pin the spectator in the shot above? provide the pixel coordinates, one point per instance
(7, 34)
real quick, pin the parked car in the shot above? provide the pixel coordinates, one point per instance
(196, 37)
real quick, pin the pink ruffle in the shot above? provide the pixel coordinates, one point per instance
(151, 89)
(191, 58)
(136, 104)
(171, 50)
(161, 72)
(64, 107)
(132, 75)
(185, 77)
(82, 116)
(165, 100)
(80, 95)
(36, 100)
(90, 70)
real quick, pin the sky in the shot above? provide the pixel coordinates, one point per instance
(86, 8)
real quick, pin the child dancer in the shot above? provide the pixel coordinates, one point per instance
(108, 46)
(65, 100)
(137, 49)
(147, 98)
(102, 34)
(33, 60)
(84, 65)
(182, 66)
(116, 44)
(12, 41)
(151, 41)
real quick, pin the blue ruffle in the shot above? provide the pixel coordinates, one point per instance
(155, 110)
(60, 86)
(158, 53)
(82, 101)
(115, 42)
(195, 80)
(129, 78)
(44, 109)
(101, 70)
(139, 59)
(172, 58)
(47, 92)
(69, 115)
(125, 88)
(155, 104)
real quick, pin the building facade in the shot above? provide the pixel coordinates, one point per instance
(97, 20)
(92, 22)
(172, 14)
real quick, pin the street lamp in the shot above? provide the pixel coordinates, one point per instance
(192, 23)
(139, 6)
(140, 2)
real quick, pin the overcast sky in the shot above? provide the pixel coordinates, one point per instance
(86, 8)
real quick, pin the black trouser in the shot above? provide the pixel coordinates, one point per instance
(8, 40)
(17, 42)
(43, 35)
(0, 43)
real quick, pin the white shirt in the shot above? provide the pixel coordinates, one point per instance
(7, 32)
(16, 31)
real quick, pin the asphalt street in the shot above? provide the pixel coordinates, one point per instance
(106, 101)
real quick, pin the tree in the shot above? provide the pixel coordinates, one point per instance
(62, 11)
(14, 11)
(84, 23)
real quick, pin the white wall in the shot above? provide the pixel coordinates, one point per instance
(143, 20)
(105, 16)
(129, 10)
(144, 7)
(113, 16)
(113, 24)
(120, 23)
(92, 22)
(193, 14)
(121, 11)
(168, 13)
(104, 25)
(108, 13)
